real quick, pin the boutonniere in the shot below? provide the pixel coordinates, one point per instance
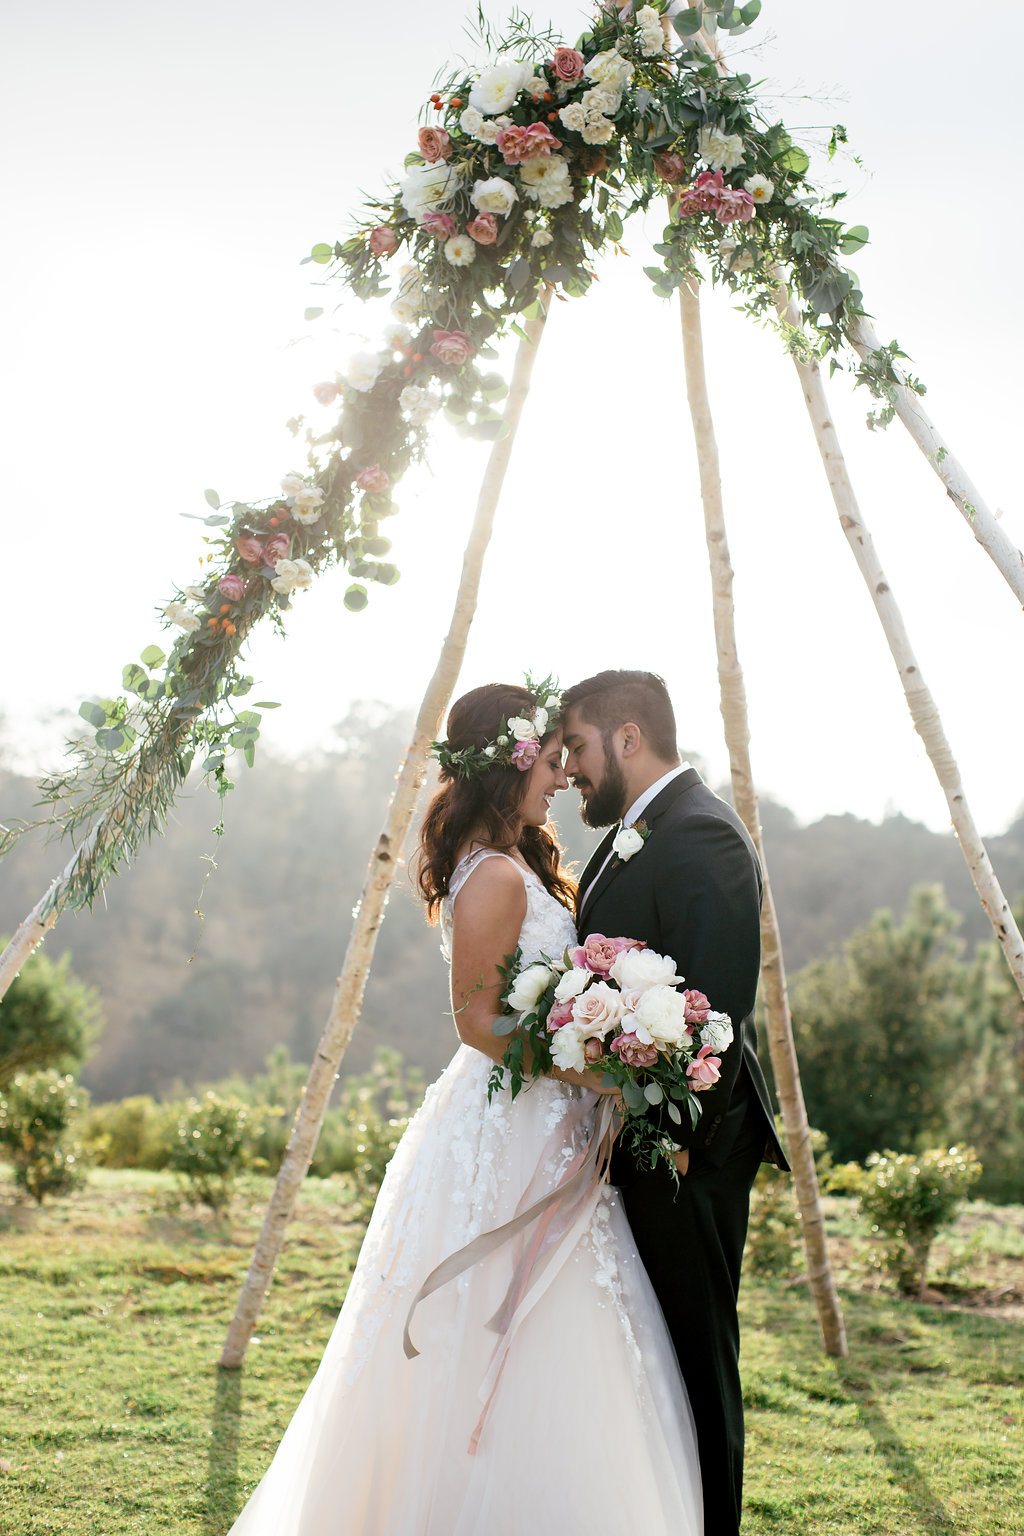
(629, 840)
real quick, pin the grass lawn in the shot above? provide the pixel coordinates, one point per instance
(114, 1417)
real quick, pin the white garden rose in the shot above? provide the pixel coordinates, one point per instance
(537, 86)
(642, 968)
(571, 984)
(573, 117)
(522, 729)
(610, 70)
(598, 129)
(759, 187)
(364, 370)
(530, 987)
(495, 195)
(626, 842)
(717, 1032)
(425, 186)
(498, 87)
(659, 1017)
(292, 484)
(471, 121)
(292, 576)
(722, 151)
(540, 720)
(546, 179)
(541, 237)
(306, 507)
(598, 100)
(460, 250)
(182, 616)
(652, 38)
(567, 1049)
(418, 405)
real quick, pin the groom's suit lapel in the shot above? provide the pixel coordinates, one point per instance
(594, 863)
(658, 806)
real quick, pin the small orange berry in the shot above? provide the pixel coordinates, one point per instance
(417, 357)
(229, 628)
(225, 607)
(552, 116)
(456, 101)
(548, 96)
(274, 522)
(213, 623)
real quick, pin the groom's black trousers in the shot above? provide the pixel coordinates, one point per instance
(691, 1244)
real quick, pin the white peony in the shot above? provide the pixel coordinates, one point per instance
(460, 250)
(598, 129)
(498, 87)
(546, 179)
(364, 370)
(759, 187)
(291, 485)
(626, 842)
(573, 117)
(425, 186)
(495, 195)
(182, 616)
(722, 151)
(292, 576)
(659, 1017)
(571, 984)
(610, 70)
(642, 968)
(567, 1049)
(521, 729)
(717, 1032)
(307, 504)
(471, 121)
(418, 405)
(530, 986)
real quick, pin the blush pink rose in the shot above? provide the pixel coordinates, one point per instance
(326, 394)
(697, 1007)
(670, 165)
(633, 1052)
(250, 549)
(373, 479)
(734, 204)
(702, 195)
(593, 1050)
(434, 144)
(567, 64)
(383, 240)
(518, 144)
(483, 229)
(703, 1070)
(525, 753)
(597, 953)
(276, 549)
(232, 587)
(440, 225)
(452, 347)
(560, 1014)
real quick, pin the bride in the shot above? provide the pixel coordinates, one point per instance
(525, 1381)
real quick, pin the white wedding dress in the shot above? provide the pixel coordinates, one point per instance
(574, 1421)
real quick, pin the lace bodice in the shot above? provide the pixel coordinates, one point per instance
(547, 927)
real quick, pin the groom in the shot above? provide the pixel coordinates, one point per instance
(690, 889)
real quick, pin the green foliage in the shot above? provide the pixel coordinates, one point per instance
(212, 1145)
(909, 1199)
(136, 1132)
(37, 1114)
(377, 1108)
(773, 1235)
(49, 1018)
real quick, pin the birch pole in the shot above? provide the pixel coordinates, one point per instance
(348, 994)
(923, 710)
(737, 735)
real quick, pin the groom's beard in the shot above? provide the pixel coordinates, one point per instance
(607, 800)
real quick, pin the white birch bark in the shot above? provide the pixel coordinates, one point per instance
(923, 710)
(348, 994)
(737, 735)
(39, 921)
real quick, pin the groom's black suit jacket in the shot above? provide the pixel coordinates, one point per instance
(694, 892)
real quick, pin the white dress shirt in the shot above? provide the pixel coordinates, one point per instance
(634, 814)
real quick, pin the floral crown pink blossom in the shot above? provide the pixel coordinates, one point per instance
(518, 743)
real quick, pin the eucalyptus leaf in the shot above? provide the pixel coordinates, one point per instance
(312, 314)
(518, 273)
(686, 23)
(212, 498)
(321, 254)
(504, 1026)
(673, 1112)
(854, 238)
(267, 704)
(249, 752)
(152, 657)
(750, 12)
(93, 714)
(653, 1093)
(133, 676)
(355, 598)
(794, 159)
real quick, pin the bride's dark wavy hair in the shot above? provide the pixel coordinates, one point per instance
(487, 803)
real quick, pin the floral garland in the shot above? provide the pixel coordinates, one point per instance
(524, 173)
(517, 744)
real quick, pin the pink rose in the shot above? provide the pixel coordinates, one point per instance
(452, 347)
(703, 1070)
(276, 549)
(598, 1009)
(483, 229)
(434, 144)
(440, 225)
(383, 240)
(518, 144)
(560, 1014)
(250, 549)
(597, 953)
(697, 1007)
(670, 165)
(373, 479)
(593, 1050)
(525, 753)
(733, 204)
(702, 196)
(567, 64)
(635, 1054)
(232, 587)
(326, 394)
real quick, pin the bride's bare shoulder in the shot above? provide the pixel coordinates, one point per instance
(495, 881)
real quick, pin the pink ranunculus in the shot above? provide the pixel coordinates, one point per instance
(670, 165)
(250, 549)
(702, 196)
(373, 479)
(567, 64)
(232, 587)
(434, 144)
(633, 1052)
(734, 204)
(440, 225)
(276, 549)
(697, 1007)
(703, 1070)
(326, 394)
(597, 953)
(383, 240)
(560, 1014)
(518, 144)
(593, 1050)
(525, 753)
(483, 229)
(452, 347)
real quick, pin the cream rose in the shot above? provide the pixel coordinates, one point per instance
(495, 195)
(182, 616)
(609, 69)
(722, 151)
(471, 121)
(292, 576)
(521, 729)
(291, 485)
(573, 117)
(547, 180)
(530, 987)
(659, 1017)
(571, 984)
(498, 87)
(418, 405)
(541, 237)
(598, 129)
(364, 370)
(643, 968)
(598, 1010)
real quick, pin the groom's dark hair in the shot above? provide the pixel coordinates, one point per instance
(613, 697)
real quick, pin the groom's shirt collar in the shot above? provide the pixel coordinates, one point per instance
(642, 801)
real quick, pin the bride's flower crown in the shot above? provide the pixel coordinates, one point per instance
(518, 744)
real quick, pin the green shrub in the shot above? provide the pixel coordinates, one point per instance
(212, 1144)
(130, 1133)
(773, 1236)
(377, 1108)
(908, 1199)
(49, 1018)
(37, 1114)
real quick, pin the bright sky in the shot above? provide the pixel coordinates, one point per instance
(169, 166)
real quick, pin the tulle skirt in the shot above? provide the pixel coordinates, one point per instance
(573, 1420)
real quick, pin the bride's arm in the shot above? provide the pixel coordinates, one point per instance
(487, 916)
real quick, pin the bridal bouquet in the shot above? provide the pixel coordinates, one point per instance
(615, 1006)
